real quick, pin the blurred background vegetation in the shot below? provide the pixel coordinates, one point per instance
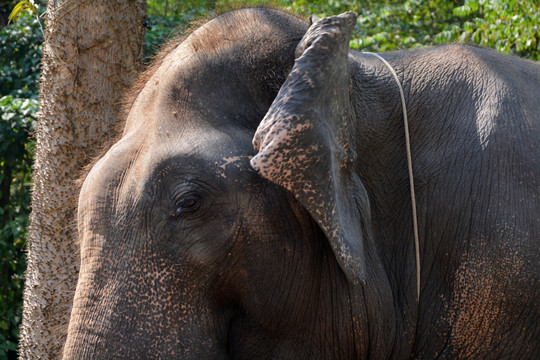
(509, 26)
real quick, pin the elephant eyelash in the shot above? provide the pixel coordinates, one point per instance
(188, 198)
(187, 204)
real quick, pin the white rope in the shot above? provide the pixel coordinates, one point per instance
(411, 177)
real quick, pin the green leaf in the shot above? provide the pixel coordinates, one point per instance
(21, 6)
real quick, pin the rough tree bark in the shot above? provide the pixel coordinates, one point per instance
(91, 52)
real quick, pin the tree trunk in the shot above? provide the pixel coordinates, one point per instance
(91, 52)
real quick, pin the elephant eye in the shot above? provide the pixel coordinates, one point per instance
(185, 206)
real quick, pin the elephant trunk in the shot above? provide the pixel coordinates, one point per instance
(136, 308)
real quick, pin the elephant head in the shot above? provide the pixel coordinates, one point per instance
(189, 252)
(256, 205)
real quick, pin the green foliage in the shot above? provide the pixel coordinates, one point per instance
(20, 53)
(22, 6)
(319, 7)
(510, 26)
(171, 8)
(409, 24)
(163, 28)
(169, 18)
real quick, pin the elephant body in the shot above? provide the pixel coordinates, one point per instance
(257, 203)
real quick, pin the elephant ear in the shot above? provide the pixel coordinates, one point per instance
(305, 142)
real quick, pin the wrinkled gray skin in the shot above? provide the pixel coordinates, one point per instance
(230, 221)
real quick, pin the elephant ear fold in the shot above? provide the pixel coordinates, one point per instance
(305, 143)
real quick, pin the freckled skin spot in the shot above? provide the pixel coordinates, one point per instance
(484, 296)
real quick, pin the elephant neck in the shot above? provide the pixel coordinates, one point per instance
(382, 166)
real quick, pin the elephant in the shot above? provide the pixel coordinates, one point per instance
(256, 203)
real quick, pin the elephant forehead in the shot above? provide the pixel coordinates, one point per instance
(176, 90)
(227, 71)
(133, 165)
(162, 101)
